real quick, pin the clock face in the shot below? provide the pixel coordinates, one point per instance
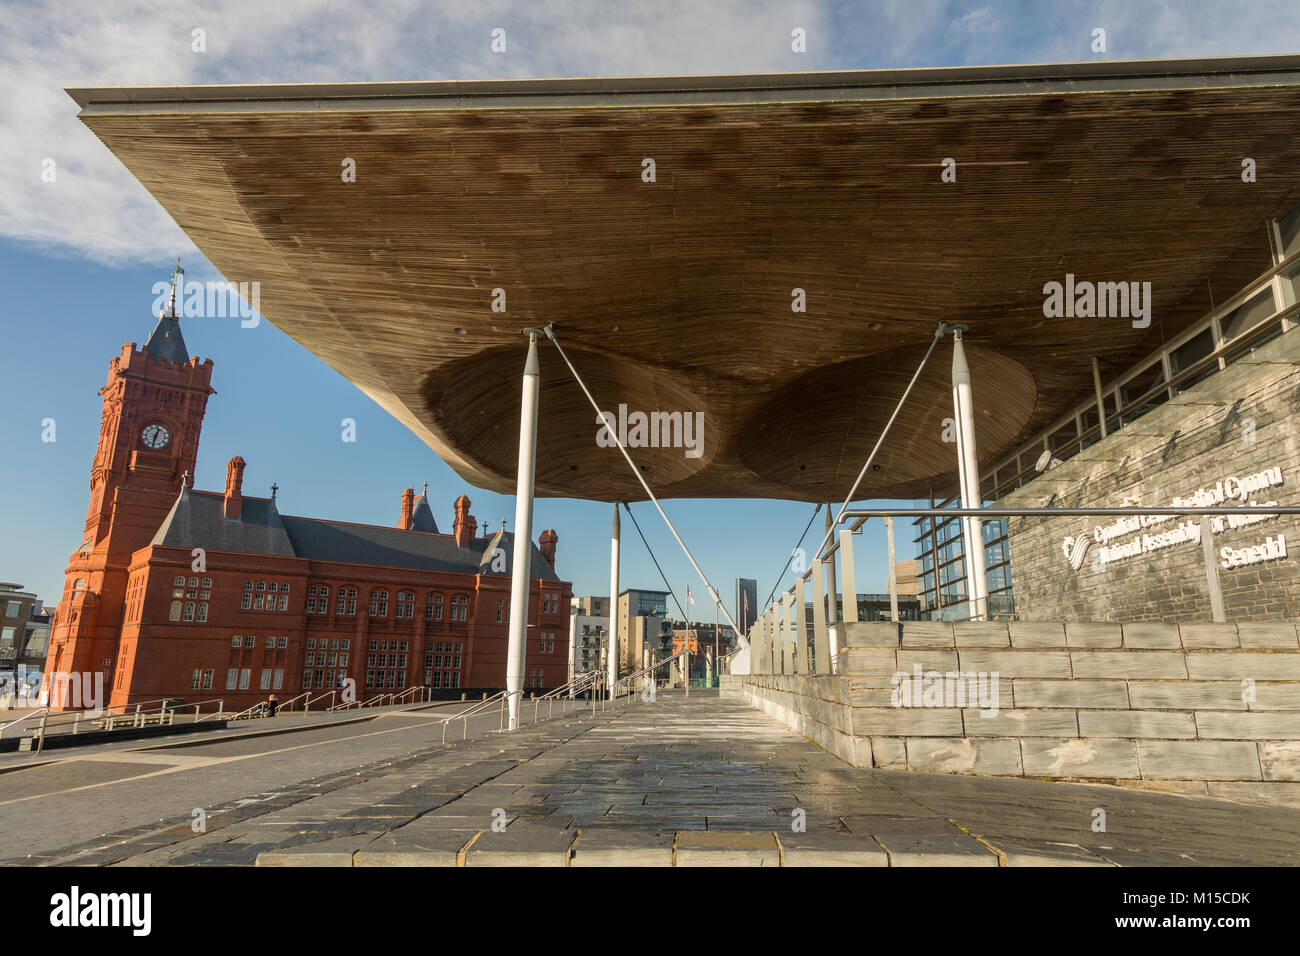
(155, 436)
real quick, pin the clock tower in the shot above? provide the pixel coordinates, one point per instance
(154, 403)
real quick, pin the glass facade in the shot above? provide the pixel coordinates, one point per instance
(645, 603)
(941, 554)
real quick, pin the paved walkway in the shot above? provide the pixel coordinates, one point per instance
(678, 782)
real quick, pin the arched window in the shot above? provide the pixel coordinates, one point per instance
(189, 611)
(379, 604)
(433, 607)
(175, 614)
(207, 583)
(261, 585)
(248, 585)
(347, 601)
(203, 612)
(179, 582)
(194, 582)
(405, 604)
(459, 607)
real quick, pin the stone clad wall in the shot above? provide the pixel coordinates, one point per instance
(1156, 705)
(1240, 421)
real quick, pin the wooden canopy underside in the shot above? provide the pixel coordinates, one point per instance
(675, 295)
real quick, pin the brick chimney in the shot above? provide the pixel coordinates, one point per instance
(463, 526)
(408, 508)
(234, 487)
(547, 543)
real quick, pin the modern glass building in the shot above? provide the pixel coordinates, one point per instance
(746, 603)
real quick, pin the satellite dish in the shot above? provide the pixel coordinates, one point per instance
(1045, 460)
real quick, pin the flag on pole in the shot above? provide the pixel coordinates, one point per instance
(690, 598)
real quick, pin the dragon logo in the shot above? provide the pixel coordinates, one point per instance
(1075, 549)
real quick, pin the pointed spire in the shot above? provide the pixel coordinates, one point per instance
(274, 489)
(166, 344)
(171, 300)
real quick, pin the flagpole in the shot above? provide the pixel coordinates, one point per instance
(716, 646)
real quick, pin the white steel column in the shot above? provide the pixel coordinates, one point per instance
(848, 583)
(775, 639)
(573, 645)
(893, 572)
(613, 602)
(969, 476)
(1101, 398)
(783, 615)
(520, 569)
(821, 637)
(832, 592)
(800, 629)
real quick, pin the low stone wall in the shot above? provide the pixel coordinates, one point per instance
(1202, 708)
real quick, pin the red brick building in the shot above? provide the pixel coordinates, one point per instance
(176, 592)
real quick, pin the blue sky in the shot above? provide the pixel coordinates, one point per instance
(79, 257)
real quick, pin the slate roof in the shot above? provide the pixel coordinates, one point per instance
(422, 516)
(166, 342)
(198, 520)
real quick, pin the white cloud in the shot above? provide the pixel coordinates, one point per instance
(95, 208)
(977, 21)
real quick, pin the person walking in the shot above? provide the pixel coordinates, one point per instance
(272, 705)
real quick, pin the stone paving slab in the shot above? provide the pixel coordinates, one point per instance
(335, 852)
(935, 849)
(830, 848)
(720, 848)
(608, 846)
(523, 843)
(434, 847)
(704, 781)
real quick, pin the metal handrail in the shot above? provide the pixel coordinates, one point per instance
(646, 670)
(288, 704)
(1217, 353)
(578, 683)
(473, 711)
(330, 694)
(410, 690)
(571, 689)
(219, 701)
(35, 713)
(107, 714)
(1068, 512)
(859, 517)
(260, 705)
